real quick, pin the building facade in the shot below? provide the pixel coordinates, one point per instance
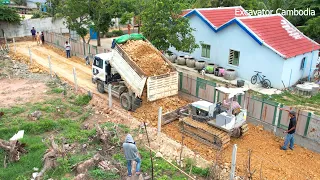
(269, 44)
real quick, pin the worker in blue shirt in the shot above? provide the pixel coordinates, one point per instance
(33, 33)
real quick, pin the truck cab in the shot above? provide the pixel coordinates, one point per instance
(104, 74)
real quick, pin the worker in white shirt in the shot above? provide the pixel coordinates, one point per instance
(68, 48)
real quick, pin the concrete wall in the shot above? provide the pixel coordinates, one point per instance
(44, 24)
(294, 65)
(253, 57)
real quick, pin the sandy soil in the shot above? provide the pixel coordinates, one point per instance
(18, 91)
(146, 57)
(276, 164)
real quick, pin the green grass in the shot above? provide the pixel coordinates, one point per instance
(291, 99)
(82, 100)
(57, 90)
(24, 167)
(63, 123)
(99, 174)
(162, 169)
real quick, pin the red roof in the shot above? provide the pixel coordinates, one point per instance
(279, 34)
(219, 16)
(184, 12)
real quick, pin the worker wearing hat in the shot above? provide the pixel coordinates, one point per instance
(291, 130)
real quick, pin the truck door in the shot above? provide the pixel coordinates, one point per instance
(98, 69)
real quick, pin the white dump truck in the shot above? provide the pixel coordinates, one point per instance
(128, 80)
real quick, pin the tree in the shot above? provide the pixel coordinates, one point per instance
(164, 27)
(20, 2)
(76, 14)
(8, 14)
(312, 28)
(100, 17)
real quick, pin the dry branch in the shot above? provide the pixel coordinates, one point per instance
(50, 157)
(82, 167)
(13, 150)
(102, 135)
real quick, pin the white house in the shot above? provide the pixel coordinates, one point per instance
(233, 39)
(32, 3)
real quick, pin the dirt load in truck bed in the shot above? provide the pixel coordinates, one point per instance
(146, 57)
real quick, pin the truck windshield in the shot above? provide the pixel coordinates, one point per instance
(98, 62)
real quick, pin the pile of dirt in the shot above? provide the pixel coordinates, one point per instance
(146, 57)
(148, 112)
(34, 67)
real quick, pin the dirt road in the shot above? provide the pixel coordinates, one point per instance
(276, 164)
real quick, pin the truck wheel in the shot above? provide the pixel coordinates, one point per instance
(100, 87)
(125, 101)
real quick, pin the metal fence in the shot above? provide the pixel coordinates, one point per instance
(78, 48)
(308, 124)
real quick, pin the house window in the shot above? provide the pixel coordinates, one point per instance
(205, 50)
(234, 57)
(303, 63)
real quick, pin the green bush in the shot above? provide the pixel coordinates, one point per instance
(100, 174)
(117, 32)
(82, 100)
(39, 14)
(109, 34)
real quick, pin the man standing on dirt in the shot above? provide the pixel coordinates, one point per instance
(33, 33)
(131, 154)
(38, 38)
(42, 37)
(291, 130)
(68, 48)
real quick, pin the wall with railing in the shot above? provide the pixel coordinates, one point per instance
(78, 48)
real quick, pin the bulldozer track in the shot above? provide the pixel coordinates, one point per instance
(206, 134)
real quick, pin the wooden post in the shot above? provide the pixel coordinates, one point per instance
(159, 119)
(30, 54)
(5, 40)
(75, 78)
(49, 61)
(110, 95)
(145, 127)
(14, 44)
(233, 163)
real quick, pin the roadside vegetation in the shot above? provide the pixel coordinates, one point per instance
(63, 116)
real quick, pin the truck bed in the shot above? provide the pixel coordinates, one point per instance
(158, 87)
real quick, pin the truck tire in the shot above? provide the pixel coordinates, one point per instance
(125, 101)
(100, 87)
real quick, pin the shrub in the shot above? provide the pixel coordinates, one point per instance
(82, 100)
(117, 32)
(109, 34)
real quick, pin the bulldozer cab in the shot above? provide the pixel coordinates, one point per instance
(202, 108)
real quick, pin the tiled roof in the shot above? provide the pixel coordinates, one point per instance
(219, 16)
(273, 31)
(280, 34)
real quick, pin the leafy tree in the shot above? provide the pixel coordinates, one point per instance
(312, 28)
(164, 27)
(100, 17)
(8, 14)
(76, 14)
(20, 2)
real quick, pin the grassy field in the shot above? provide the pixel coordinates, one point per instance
(63, 117)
